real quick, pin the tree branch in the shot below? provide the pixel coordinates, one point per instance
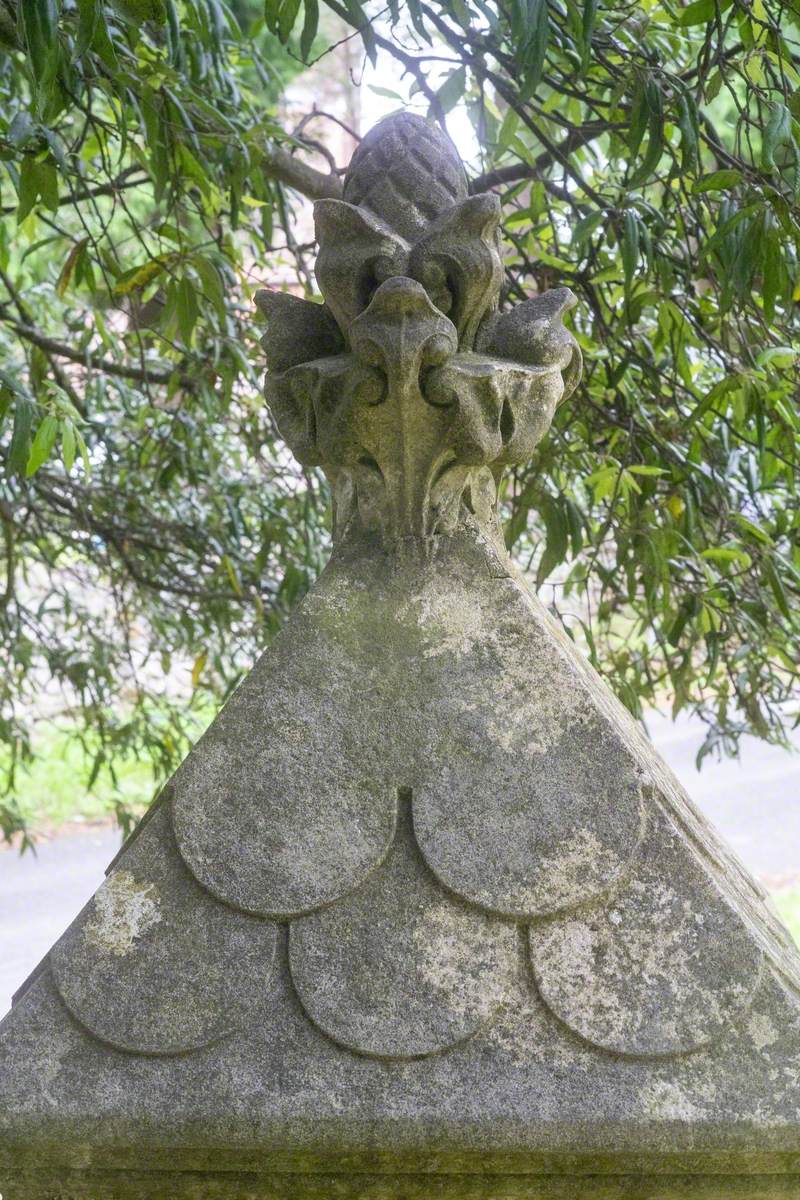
(129, 178)
(281, 165)
(514, 172)
(61, 350)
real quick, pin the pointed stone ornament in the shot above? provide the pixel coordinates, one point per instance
(422, 914)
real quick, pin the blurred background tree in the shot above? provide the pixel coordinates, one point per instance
(154, 531)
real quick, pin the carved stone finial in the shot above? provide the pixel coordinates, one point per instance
(406, 385)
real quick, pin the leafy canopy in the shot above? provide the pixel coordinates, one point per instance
(154, 530)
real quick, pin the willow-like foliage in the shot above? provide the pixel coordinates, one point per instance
(154, 531)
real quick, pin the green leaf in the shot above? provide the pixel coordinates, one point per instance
(585, 227)
(655, 134)
(679, 624)
(42, 444)
(557, 539)
(630, 245)
(782, 356)
(603, 482)
(39, 20)
(68, 443)
(727, 554)
(146, 10)
(688, 124)
(286, 19)
(198, 667)
(701, 12)
(87, 22)
(20, 129)
(187, 310)
(508, 130)
(360, 21)
(732, 383)
(48, 183)
(310, 25)
(778, 131)
(272, 12)
(771, 272)
(212, 284)
(713, 86)
(386, 92)
(452, 90)
(776, 587)
(27, 188)
(533, 46)
(638, 120)
(718, 181)
(83, 451)
(750, 527)
(417, 19)
(589, 19)
(233, 574)
(102, 44)
(20, 447)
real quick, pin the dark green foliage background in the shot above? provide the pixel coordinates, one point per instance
(648, 156)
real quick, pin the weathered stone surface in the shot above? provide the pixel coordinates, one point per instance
(154, 965)
(298, 330)
(286, 825)
(399, 969)
(422, 914)
(407, 173)
(523, 1094)
(655, 969)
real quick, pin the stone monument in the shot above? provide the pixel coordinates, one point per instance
(422, 916)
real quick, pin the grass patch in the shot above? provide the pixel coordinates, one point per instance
(52, 790)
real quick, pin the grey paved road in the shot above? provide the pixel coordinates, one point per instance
(756, 805)
(39, 896)
(754, 802)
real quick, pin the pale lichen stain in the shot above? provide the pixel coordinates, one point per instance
(580, 855)
(666, 1100)
(762, 1031)
(473, 973)
(124, 910)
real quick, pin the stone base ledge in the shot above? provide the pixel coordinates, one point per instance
(157, 1185)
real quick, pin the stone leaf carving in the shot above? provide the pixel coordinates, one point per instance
(357, 252)
(298, 330)
(458, 263)
(408, 257)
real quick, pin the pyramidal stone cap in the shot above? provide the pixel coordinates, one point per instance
(422, 914)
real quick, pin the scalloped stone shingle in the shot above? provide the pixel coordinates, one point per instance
(154, 965)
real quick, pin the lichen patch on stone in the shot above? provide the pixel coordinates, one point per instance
(762, 1031)
(124, 910)
(469, 989)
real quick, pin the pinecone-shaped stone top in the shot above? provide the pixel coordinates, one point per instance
(407, 172)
